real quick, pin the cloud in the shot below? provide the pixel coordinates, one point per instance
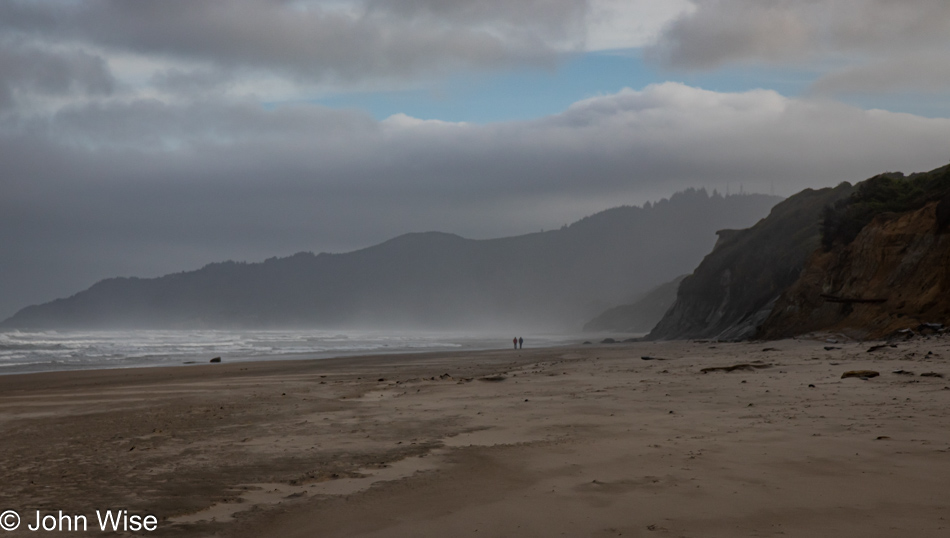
(853, 39)
(293, 50)
(919, 72)
(31, 72)
(147, 187)
(623, 24)
(311, 41)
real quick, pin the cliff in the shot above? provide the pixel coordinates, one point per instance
(864, 261)
(894, 274)
(733, 289)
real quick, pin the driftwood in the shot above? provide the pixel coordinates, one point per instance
(861, 374)
(736, 367)
(836, 299)
(493, 378)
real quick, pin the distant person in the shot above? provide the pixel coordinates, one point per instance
(515, 342)
(520, 342)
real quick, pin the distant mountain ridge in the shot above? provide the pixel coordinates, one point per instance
(553, 279)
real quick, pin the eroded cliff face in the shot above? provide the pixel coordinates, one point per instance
(733, 290)
(894, 275)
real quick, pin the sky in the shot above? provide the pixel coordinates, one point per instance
(144, 138)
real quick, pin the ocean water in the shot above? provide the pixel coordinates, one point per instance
(22, 351)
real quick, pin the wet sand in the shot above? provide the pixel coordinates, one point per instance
(578, 441)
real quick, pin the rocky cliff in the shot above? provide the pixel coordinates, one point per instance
(733, 289)
(864, 261)
(895, 274)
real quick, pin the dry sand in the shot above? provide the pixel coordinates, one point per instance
(580, 441)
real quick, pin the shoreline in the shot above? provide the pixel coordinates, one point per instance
(98, 350)
(590, 440)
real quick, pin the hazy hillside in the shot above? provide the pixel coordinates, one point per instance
(641, 315)
(553, 279)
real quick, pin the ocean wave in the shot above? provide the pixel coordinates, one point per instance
(51, 350)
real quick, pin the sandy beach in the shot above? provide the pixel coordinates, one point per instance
(588, 440)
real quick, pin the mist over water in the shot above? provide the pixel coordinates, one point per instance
(23, 351)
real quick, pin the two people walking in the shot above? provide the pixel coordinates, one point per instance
(518, 342)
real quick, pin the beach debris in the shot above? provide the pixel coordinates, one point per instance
(445, 376)
(811, 385)
(649, 358)
(879, 346)
(744, 367)
(930, 328)
(831, 348)
(493, 378)
(770, 349)
(906, 334)
(882, 437)
(831, 341)
(860, 374)
(902, 372)
(931, 374)
(216, 359)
